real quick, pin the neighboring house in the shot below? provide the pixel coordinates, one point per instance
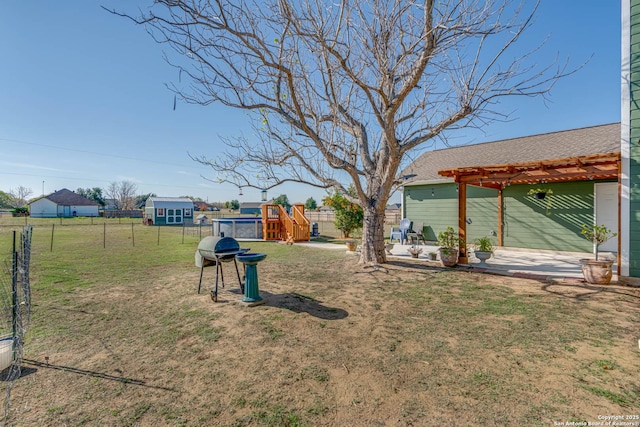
(630, 141)
(168, 211)
(482, 189)
(110, 205)
(251, 208)
(63, 203)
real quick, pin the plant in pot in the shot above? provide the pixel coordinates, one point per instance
(483, 249)
(433, 256)
(351, 245)
(414, 251)
(597, 271)
(448, 241)
(388, 246)
(539, 192)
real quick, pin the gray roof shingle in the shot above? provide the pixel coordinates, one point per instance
(66, 197)
(555, 145)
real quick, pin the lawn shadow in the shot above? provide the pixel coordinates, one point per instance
(582, 291)
(11, 373)
(303, 304)
(419, 264)
(94, 374)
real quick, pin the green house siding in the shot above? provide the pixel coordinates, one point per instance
(634, 155)
(482, 213)
(634, 205)
(552, 223)
(437, 206)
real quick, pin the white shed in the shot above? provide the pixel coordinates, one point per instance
(63, 203)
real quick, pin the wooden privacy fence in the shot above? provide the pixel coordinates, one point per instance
(392, 217)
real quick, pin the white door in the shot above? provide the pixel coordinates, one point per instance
(606, 211)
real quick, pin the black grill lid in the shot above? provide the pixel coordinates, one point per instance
(217, 245)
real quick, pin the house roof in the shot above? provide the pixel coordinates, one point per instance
(574, 143)
(66, 197)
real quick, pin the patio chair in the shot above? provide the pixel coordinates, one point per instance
(395, 234)
(416, 233)
(405, 226)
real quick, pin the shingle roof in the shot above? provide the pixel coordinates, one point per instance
(556, 145)
(66, 197)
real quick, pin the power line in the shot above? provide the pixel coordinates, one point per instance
(155, 184)
(117, 156)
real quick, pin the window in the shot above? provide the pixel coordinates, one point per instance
(187, 212)
(160, 212)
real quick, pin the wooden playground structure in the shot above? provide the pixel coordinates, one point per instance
(277, 224)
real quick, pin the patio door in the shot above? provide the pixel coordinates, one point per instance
(606, 211)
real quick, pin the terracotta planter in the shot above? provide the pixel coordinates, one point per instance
(596, 272)
(448, 256)
(351, 246)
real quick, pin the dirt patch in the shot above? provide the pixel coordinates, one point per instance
(335, 344)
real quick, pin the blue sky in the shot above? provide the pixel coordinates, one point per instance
(83, 100)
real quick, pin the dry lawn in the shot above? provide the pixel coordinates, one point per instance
(119, 337)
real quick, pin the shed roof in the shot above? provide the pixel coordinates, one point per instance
(170, 199)
(66, 197)
(251, 205)
(587, 141)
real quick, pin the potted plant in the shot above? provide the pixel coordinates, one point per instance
(351, 245)
(414, 251)
(433, 256)
(597, 271)
(483, 249)
(539, 192)
(448, 241)
(388, 246)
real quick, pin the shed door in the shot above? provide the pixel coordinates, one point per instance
(606, 211)
(174, 216)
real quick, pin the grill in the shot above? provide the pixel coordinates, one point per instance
(213, 251)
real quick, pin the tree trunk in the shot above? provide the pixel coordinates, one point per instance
(372, 248)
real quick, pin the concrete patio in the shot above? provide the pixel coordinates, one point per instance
(520, 262)
(527, 263)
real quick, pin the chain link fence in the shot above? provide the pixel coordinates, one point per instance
(15, 297)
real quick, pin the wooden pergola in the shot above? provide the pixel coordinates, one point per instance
(577, 168)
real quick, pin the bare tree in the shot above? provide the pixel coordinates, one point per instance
(20, 196)
(123, 193)
(346, 92)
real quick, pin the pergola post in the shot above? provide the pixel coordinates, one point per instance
(500, 218)
(462, 223)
